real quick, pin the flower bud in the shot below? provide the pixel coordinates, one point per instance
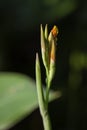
(52, 62)
(52, 40)
(55, 31)
(43, 47)
(48, 49)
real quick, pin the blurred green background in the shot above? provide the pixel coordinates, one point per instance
(20, 40)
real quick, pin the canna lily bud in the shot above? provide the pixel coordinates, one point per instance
(42, 41)
(52, 53)
(48, 50)
(52, 62)
(54, 33)
(44, 46)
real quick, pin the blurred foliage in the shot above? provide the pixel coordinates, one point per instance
(19, 41)
(78, 60)
(77, 88)
(18, 98)
(29, 13)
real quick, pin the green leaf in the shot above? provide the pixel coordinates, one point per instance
(18, 98)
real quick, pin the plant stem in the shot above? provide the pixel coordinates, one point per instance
(47, 89)
(46, 117)
(46, 121)
(43, 103)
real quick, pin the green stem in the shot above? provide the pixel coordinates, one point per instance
(46, 118)
(47, 89)
(47, 96)
(42, 101)
(46, 121)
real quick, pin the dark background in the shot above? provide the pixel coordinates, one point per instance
(20, 40)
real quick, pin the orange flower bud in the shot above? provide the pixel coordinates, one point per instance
(52, 54)
(54, 31)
